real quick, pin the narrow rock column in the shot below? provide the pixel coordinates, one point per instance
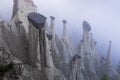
(91, 40)
(52, 26)
(39, 23)
(64, 29)
(76, 68)
(52, 30)
(108, 57)
(42, 51)
(95, 54)
(86, 30)
(81, 53)
(86, 37)
(1, 24)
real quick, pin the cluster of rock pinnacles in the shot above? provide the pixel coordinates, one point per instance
(31, 50)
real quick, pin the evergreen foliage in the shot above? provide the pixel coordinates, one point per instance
(6, 68)
(105, 77)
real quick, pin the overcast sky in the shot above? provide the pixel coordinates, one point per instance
(103, 15)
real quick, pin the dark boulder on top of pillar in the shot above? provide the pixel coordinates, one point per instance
(86, 26)
(49, 36)
(64, 21)
(36, 19)
(53, 18)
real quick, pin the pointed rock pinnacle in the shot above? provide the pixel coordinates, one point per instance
(108, 57)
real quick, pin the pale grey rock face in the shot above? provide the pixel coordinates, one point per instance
(45, 60)
(15, 35)
(14, 32)
(37, 22)
(62, 50)
(88, 55)
(34, 47)
(107, 65)
(21, 11)
(68, 48)
(16, 69)
(75, 67)
(42, 54)
(64, 29)
(54, 47)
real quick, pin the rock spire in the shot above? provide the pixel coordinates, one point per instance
(64, 28)
(52, 27)
(20, 11)
(108, 57)
(86, 30)
(42, 54)
(52, 23)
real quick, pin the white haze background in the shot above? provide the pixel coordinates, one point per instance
(103, 15)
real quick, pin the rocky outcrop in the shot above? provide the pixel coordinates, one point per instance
(75, 67)
(20, 11)
(62, 50)
(14, 33)
(16, 36)
(85, 51)
(31, 50)
(107, 67)
(36, 39)
(11, 68)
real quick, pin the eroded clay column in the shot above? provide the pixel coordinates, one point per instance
(52, 23)
(108, 57)
(86, 30)
(64, 29)
(38, 41)
(52, 30)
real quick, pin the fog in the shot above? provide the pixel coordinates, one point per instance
(103, 15)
